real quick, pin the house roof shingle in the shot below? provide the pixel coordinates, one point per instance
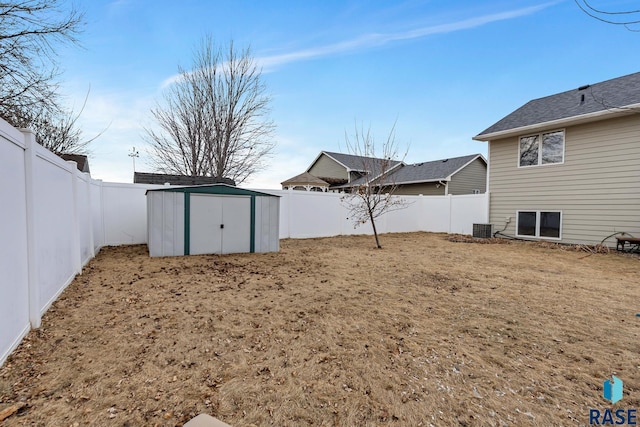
(436, 170)
(608, 96)
(161, 179)
(356, 163)
(82, 161)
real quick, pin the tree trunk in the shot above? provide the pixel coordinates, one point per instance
(375, 230)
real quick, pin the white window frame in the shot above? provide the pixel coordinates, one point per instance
(540, 138)
(537, 235)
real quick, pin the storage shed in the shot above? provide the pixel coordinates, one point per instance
(211, 219)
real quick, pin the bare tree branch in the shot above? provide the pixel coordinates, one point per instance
(30, 31)
(213, 120)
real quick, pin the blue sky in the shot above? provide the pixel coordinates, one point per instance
(443, 70)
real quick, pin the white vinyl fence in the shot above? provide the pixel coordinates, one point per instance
(305, 214)
(54, 219)
(46, 231)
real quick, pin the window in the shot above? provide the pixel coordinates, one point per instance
(542, 149)
(539, 224)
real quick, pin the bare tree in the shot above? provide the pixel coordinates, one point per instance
(372, 194)
(626, 18)
(30, 31)
(213, 120)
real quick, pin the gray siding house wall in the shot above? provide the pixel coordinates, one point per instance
(426, 189)
(597, 188)
(580, 189)
(470, 179)
(326, 167)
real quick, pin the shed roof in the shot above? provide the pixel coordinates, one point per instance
(589, 102)
(213, 189)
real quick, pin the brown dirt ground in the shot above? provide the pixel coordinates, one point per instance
(332, 332)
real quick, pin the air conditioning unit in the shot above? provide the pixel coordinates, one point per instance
(482, 231)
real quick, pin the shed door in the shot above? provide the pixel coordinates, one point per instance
(219, 224)
(236, 216)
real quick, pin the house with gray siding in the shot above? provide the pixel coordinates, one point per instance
(456, 175)
(566, 167)
(342, 172)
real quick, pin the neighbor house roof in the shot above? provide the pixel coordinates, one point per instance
(584, 104)
(161, 178)
(82, 161)
(437, 170)
(305, 179)
(352, 162)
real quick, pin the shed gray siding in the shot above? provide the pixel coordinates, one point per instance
(472, 177)
(597, 188)
(165, 223)
(267, 237)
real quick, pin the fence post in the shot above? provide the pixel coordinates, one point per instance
(450, 212)
(103, 227)
(289, 209)
(76, 246)
(32, 241)
(92, 251)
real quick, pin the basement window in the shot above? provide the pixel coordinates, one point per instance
(541, 149)
(539, 224)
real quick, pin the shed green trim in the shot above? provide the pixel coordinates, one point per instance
(187, 223)
(252, 243)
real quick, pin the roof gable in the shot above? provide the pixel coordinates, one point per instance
(351, 162)
(589, 101)
(305, 178)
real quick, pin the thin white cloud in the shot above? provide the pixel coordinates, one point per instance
(367, 41)
(378, 39)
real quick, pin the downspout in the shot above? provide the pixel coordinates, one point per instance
(446, 186)
(487, 188)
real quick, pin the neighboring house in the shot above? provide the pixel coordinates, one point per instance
(566, 167)
(162, 179)
(305, 181)
(82, 161)
(457, 175)
(339, 168)
(342, 172)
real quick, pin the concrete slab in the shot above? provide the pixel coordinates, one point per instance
(204, 420)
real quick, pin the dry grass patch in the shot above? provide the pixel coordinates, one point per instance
(332, 332)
